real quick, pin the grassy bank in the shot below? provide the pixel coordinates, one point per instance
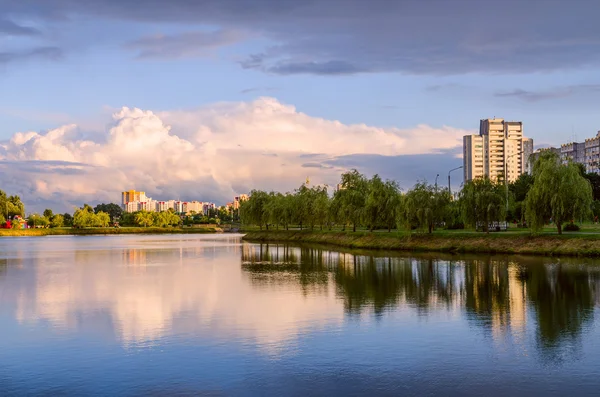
(580, 244)
(108, 230)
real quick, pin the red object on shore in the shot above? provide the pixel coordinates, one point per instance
(7, 225)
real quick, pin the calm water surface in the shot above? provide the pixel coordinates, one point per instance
(210, 315)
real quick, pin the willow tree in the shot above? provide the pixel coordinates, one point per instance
(482, 203)
(253, 211)
(419, 207)
(559, 193)
(352, 197)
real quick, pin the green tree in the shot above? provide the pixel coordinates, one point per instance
(37, 220)
(374, 204)
(352, 197)
(253, 211)
(559, 193)
(48, 213)
(84, 217)
(15, 206)
(58, 220)
(101, 219)
(113, 210)
(67, 219)
(144, 218)
(419, 207)
(482, 203)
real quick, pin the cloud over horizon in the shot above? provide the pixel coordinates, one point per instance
(210, 153)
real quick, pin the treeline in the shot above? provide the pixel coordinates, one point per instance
(556, 193)
(104, 215)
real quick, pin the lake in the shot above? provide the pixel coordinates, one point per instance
(158, 315)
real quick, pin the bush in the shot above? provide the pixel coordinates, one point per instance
(571, 227)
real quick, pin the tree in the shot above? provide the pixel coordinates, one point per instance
(113, 210)
(58, 220)
(84, 217)
(374, 204)
(144, 218)
(15, 206)
(423, 207)
(67, 219)
(37, 220)
(48, 214)
(352, 197)
(559, 193)
(253, 211)
(482, 203)
(102, 219)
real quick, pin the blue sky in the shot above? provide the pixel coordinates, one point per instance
(389, 65)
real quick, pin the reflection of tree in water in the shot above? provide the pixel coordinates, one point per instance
(271, 264)
(486, 291)
(3, 266)
(496, 293)
(562, 296)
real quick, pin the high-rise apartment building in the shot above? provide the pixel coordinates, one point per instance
(500, 149)
(131, 196)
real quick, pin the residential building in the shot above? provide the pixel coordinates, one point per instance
(238, 199)
(194, 206)
(131, 206)
(132, 195)
(573, 151)
(499, 150)
(148, 205)
(592, 154)
(535, 155)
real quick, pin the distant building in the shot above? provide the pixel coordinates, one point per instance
(132, 195)
(206, 207)
(572, 151)
(499, 150)
(238, 199)
(535, 155)
(592, 154)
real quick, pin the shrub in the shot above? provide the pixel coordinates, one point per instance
(571, 227)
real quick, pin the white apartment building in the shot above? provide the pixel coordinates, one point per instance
(195, 206)
(148, 205)
(499, 148)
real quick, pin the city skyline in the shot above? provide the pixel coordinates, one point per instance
(220, 98)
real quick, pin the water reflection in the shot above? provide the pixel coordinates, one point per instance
(500, 295)
(139, 290)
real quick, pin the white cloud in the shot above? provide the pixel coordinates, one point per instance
(209, 153)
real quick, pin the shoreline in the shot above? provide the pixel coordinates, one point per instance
(452, 243)
(103, 231)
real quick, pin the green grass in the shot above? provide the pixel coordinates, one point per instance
(107, 230)
(519, 241)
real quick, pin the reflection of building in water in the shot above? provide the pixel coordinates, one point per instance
(511, 319)
(134, 257)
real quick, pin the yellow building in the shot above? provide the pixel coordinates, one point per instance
(131, 196)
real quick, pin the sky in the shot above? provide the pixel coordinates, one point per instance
(207, 99)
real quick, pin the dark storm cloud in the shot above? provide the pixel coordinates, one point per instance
(10, 28)
(330, 37)
(559, 92)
